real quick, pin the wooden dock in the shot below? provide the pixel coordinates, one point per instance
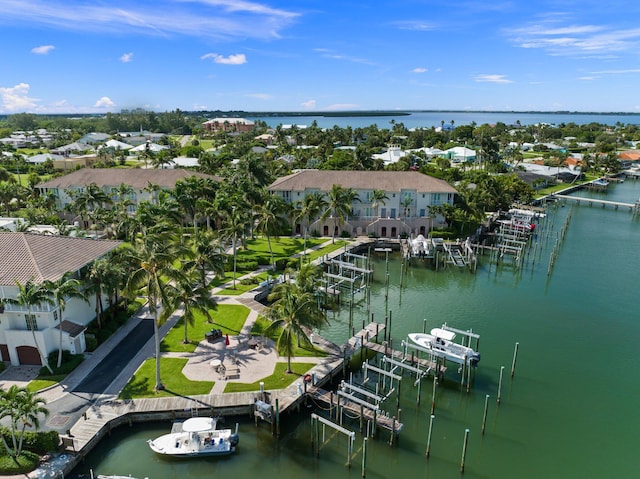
(412, 359)
(596, 201)
(380, 420)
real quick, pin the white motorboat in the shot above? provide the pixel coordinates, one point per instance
(197, 436)
(440, 342)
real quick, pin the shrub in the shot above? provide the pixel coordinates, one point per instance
(91, 342)
(39, 442)
(249, 281)
(345, 234)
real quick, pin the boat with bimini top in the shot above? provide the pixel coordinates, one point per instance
(197, 436)
(441, 343)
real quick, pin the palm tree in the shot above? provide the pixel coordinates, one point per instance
(31, 294)
(292, 312)
(378, 197)
(233, 228)
(207, 254)
(23, 408)
(88, 200)
(339, 203)
(61, 290)
(308, 210)
(185, 290)
(269, 219)
(153, 255)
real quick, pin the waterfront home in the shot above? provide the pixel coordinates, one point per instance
(110, 180)
(26, 333)
(406, 210)
(228, 125)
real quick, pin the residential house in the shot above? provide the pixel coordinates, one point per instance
(38, 258)
(227, 124)
(110, 179)
(460, 154)
(410, 195)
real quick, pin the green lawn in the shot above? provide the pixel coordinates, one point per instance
(40, 384)
(283, 247)
(278, 380)
(142, 383)
(261, 325)
(326, 250)
(228, 317)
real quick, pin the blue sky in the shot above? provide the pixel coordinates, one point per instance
(75, 56)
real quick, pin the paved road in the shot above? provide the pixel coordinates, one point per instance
(68, 409)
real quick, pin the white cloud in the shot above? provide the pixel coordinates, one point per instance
(126, 57)
(260, 96)
(415, 25)
(419, 70)
(16, 98)
(42, 49)
(492, 79)
(309, 104)
(237, 59)
(104, 102)
(575, 40)
(220, 19)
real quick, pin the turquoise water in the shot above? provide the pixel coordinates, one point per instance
(571, 410)
(435, 118)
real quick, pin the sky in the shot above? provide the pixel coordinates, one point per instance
(81, 56)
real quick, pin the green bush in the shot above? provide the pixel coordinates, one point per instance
(69, 363)
(39, 442)
(3, 366)
(247, 265)
(249, 281)
(345, 234)
(91, 342)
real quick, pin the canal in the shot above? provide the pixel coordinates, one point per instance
(570, 411)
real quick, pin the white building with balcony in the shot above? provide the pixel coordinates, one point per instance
(23, 333)
(410, 196)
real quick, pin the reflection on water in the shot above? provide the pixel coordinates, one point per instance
(569, 411)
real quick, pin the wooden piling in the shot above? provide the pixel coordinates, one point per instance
(484, 415)
(515, 355)
(428, 452)
(500, 383)
(464, 449)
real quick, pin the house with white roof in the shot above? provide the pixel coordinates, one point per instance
(410, 196)
(392, 155)
(25, 334)
(460, 154)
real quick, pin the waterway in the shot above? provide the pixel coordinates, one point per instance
(570, 411)
(428, 119)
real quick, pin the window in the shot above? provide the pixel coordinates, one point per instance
(32, 323)
(423, 212)
(55, 315)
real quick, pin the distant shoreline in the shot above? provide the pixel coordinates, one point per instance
(338, 114)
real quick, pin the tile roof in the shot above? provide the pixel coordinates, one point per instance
(73, 329)
(361, 180)
(26, 256)
(136, 177)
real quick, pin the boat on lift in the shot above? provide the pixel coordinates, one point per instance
(441, 343)
(197, 436)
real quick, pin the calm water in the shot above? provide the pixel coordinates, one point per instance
(435, 119)
(571, 411)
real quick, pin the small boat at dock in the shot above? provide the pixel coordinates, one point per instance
(441, 343)
(197, 436)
